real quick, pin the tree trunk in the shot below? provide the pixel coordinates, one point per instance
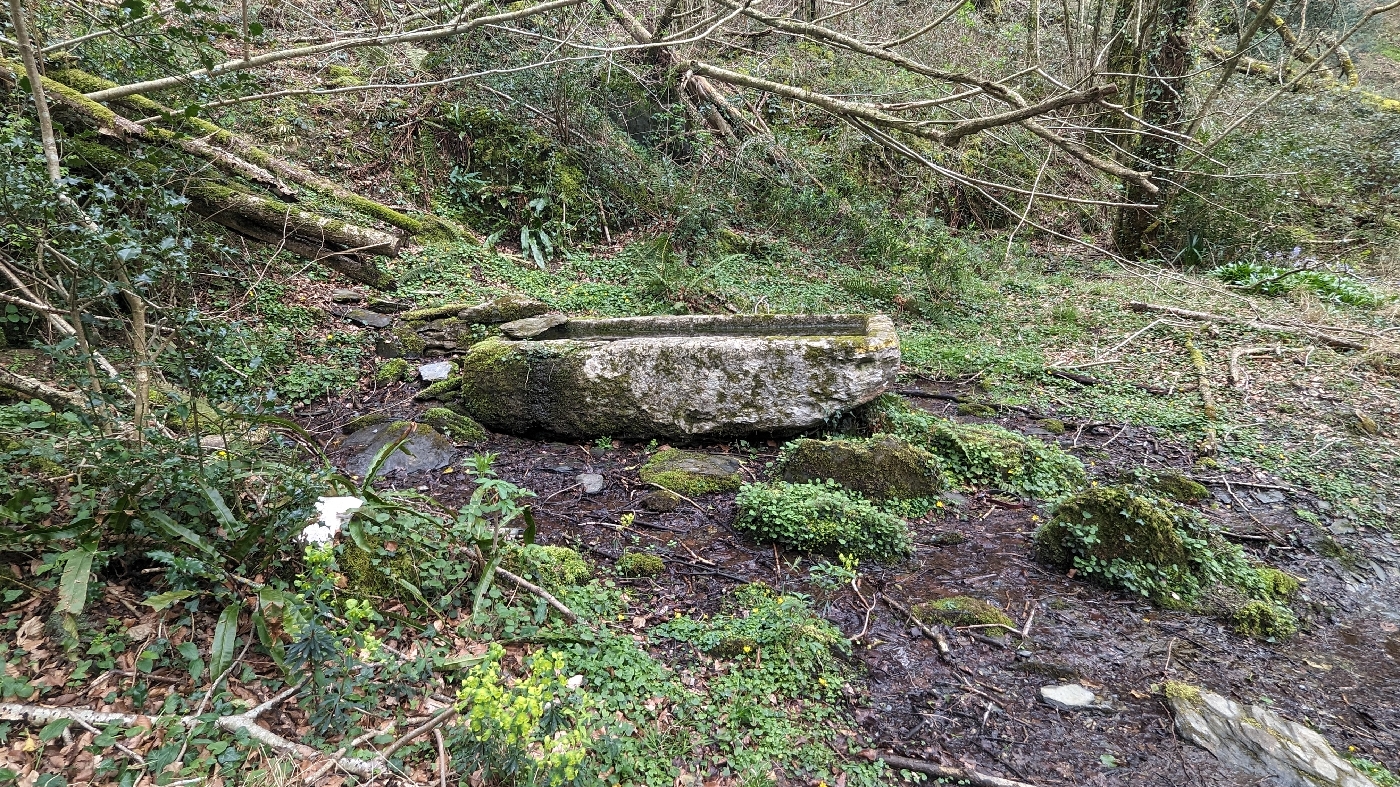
(1164, 88)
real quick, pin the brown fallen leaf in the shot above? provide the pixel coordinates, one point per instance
(30, 634)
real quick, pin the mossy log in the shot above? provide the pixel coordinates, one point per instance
(234, 146)
(340, 246)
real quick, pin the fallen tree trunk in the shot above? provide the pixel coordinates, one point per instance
(38, 389)
(239, 146)
(1258, 325)
(343, 247)
(36, 715)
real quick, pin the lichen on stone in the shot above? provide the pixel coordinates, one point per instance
(962, 611)
(460, 428)
(690, 473)
(882, 467)
(1176, 690)
(640, 564)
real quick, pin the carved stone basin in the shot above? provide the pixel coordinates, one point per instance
(678, 377)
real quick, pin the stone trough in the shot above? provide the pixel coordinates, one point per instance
(677, 377)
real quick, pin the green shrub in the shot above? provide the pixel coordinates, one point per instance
(821, 517)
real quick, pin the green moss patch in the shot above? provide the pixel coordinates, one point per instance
(439, 389)
(391, 371)
(882, 467)
(691, 473)
(365, 421)
(551, 566)
(1264, 620)
(460, 428)
(983, 454)
(962, 611)
(1178, 487)
(640, 564)
(821, 517)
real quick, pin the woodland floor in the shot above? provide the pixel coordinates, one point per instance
(978, 706)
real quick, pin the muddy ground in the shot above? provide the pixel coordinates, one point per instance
(977, 706)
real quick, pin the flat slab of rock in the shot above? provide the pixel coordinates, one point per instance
(590, 483)
(692, 473)
(1259, 741)
(505, 309)
(368, 318)
(1069, 696)
(673, 377)
(432, 372)
(427, 449)
(530, 327)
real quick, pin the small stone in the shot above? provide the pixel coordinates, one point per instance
(432, 372)
(662, 501)
(368, 318)
(530, 327)
(591, 483)
(386, 306)
(692, 473)
(1267, 496)
(1068, 696)
(345, 296)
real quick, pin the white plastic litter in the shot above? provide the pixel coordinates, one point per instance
(334, 513)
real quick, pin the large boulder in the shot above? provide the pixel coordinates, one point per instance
(883, 467)
(679, 377)
(425, 449)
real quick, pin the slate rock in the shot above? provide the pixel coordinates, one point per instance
(388, 306)
(345, 296)
(426, 449)
(1259, 741)
(591, 483)
(530, 327)
(368, 318)
(1069, 696)
(692, 473)
(432, 372)
(505, 309)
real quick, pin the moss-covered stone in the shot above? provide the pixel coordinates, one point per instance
(640, 564)
(979, 454)
(439, 390)
(976, 409)
(882, 467)
(962, 611)
(406, 341)
(376, 573)
(460, 428)
(1178, 487)
(690, 473)
(507, 308)
(1114, 523)
(1264, 620)
(1277, 584)
(1052, 425)
(391, 371)
(1176, 690)
(661, 501)
(365, 421)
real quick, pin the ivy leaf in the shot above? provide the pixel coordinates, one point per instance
(54, 729)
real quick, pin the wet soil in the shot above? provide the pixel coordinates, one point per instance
(978, 705)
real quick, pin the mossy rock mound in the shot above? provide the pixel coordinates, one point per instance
(459, 427)
(882, 467)
(391, 371)
(823, 518)
(962, 611)
(982, 454)
(1130, 538)
(661, 501)
(506, 308)
(365, 421)
(376, 572)
(692, 473)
